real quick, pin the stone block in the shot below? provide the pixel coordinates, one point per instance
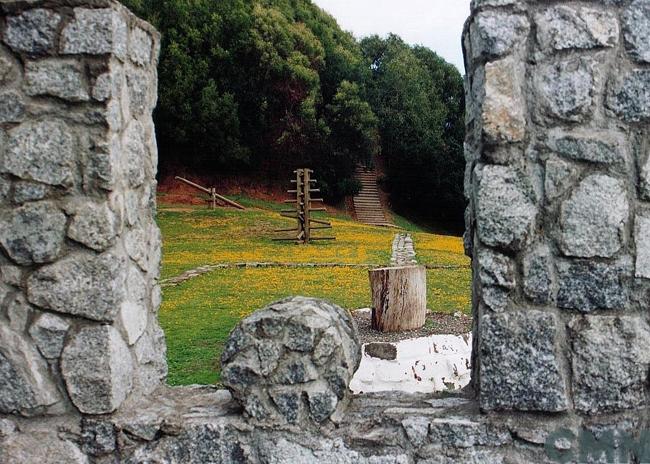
(92, 224)
(588, 286)
(538, 275)
(272, 358)
(497, 33)
(9, 69)
(97, 368)
(565, 90)
(43, 151)
(636, 30)
(95, 32)
(503, 109)
(560, 176)
(135, 154)
(12, 107)
(25, 191)
(505, 210)
(33, 233)
(140, 47)
(644, 187)
(642, 240)
(594, 219)
(496, 269)
(607, 148)
(48, 332)
(40, 447)
(611, 363)
(86, 285)
(519, 366)
(141, 91)
(58, 78)
(151, 355)
(565, 27)
(629, 95)
(25, 384)
(33, 31)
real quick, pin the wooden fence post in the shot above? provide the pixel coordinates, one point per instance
(399, 298)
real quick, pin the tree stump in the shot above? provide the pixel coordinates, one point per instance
(399, 298)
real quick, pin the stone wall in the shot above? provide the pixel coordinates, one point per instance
(558, 181)
(557, 173)
(80, 248)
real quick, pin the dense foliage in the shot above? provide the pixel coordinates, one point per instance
(270, 85)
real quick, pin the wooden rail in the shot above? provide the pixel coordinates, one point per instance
(214, 196)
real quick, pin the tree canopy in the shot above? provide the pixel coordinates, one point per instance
(270, 85)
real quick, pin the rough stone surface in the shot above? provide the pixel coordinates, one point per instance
(611, 363)
(642, 240)
(12, 107)
(560, 176)
(636, 30)
(32, 31)
(49, 331)
(25, 385)
(538, 275)
(644, 187)
(496, 33)
(82, 285)
(135, 154)
(42, 448)
(496, 269)
(97, 368)
(565, 27)
(603, 148)
(629, 95)
(92, 224)
(565, 90)
(506, 212)
(43, 151)
(95, 32)
(33, 233)
(594, 219)
(588, 286)
(25, 191)
(54, 77)
(140, 47)
(503, 105)
(299, 347)
(519, 368)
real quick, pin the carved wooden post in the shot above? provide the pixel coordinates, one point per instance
(399, 298)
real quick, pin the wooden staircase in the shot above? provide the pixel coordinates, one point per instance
(367, 203)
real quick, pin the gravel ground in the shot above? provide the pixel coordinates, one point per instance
(436, 324)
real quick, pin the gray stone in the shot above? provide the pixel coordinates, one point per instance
(25, 191)
(642, 240)
(49, 331)
(97, 368)
(82, 285)
(140, 46)
(496, 269)
(25, 384)
(9, 69)
(135, 154)
(32, 31)
(461, 432)
(386, 351)
(7, 427)
(564, 27)
(636, 30)
(138, 83)
(537, 275)
(611, 363)
(595, 147)
(475, 4)
(505, 212)
(502, 113)
(12, 107)
(93, 224)
(33, 233)
(98, 436)
(151, 355)
(57, 78)
(588, 286)
(42, 151)
(18, 313)
(519, 368)
(559, 177)
(5, 184)
(254, 364)
(134, 320)
(644, 187)
(289, 404)
(95, 32)
(497, 33)
(565, 90)
(593, 220)
(495, 298)
(11, 275)
(41, 448)
(629, 95)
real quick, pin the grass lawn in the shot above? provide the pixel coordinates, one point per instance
(198, 315)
